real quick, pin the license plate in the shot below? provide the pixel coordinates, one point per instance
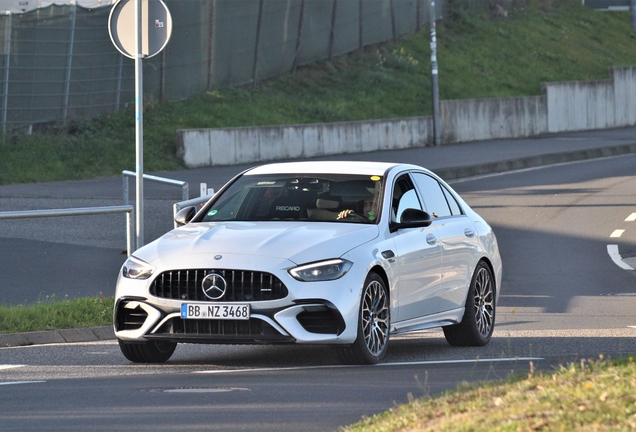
(215, 311)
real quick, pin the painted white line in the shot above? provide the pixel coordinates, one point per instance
(36, 346)
(617, 233)
(436, 362)
(612, 250)
(225, 371)
(3, 367)
(478, 360)
(20, 382)
(631, 218)
(536, 168)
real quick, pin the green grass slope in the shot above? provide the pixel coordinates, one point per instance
(595, 395)
(481, 54)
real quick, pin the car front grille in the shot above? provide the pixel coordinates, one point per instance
(241, 285)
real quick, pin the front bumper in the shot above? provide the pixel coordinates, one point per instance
(310, 313)
(315, 321)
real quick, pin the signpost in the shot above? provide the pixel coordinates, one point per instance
(139, 29)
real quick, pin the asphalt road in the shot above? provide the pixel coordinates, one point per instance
(563, 299)
(81, 256)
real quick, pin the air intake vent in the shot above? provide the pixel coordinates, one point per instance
(130, 319)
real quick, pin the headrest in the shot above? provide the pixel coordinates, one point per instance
(327, 204)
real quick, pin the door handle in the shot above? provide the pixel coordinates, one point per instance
(431, 239)
(469, 233)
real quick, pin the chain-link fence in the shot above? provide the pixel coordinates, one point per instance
(58, 63)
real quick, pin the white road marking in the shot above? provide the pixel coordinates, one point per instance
(20, 382)
(631, 218)
(205, 390)
(432, 362)
(617, 233)
(612, 250)
(477, 360)
(2, 367)
(536, 168)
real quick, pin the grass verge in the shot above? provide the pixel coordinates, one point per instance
(593, 396)
(54, 314)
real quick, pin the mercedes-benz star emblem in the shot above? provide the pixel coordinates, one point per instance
(214, 286)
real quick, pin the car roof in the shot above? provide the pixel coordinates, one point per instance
(329, 167)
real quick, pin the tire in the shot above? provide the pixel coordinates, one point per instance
(148, 352)
(478, 322)
(373, 325)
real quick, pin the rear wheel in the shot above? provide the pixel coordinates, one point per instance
(148, 352)
(478, 322)
(373, 325)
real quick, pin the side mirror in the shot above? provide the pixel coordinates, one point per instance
(412, 218)
(185, 215)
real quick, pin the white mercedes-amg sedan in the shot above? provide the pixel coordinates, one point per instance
(339, 253)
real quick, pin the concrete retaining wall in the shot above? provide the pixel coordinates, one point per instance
(568, 106)
(482, 119)
(229, 146)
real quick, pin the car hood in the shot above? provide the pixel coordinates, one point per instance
(298, 242)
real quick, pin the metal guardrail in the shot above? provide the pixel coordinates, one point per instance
(125, 208)
(185, 191)
(87, 211)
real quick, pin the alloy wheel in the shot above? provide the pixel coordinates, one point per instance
(375, 318)
(484, 302)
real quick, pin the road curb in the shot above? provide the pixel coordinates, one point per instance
(90, 334)
(533, 161)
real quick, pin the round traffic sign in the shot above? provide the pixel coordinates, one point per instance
(156, 27)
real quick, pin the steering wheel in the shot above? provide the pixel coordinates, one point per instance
(357, 216)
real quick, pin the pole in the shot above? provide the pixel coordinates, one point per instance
(69, 62)
(139, 127)
(434, 78)
(333, 28)
(7, 53)
(632, 8)
(257, 42)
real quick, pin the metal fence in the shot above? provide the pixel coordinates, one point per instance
(58, 63)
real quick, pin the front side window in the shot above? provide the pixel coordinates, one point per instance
(404, 196)
(299, 197)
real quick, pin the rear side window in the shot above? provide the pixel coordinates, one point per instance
(433, 195)
(452, 202)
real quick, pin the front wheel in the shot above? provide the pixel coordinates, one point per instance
(373, 325)
(148, 352)
(478, 322)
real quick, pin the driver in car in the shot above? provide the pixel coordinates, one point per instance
(367, 209)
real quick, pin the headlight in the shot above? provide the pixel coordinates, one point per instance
(321, 271)
(134, 268)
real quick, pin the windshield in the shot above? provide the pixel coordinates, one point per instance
(294, 197)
